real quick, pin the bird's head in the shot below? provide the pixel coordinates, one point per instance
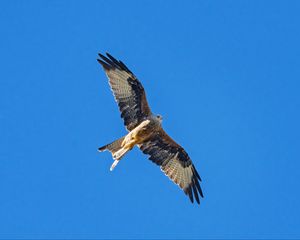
(159, 117)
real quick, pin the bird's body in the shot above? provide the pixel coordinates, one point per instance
(145, 130)
(138, 135)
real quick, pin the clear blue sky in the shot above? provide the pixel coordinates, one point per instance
(225, 76)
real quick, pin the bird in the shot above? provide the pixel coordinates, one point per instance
(145, 130)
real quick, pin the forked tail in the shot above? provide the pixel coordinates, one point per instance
(112, 147)
(116, 150)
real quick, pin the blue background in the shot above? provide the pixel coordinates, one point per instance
(223, 74)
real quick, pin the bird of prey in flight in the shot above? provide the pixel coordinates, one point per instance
(145, 130)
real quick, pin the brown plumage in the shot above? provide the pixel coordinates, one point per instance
(145, 130)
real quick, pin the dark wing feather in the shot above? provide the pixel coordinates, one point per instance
(128, 91)
(174, 162)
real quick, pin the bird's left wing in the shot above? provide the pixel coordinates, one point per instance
(174, 162)
(128, 91)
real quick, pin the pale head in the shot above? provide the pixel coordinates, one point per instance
(159, 117)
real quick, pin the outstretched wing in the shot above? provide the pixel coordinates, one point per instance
(174, 162)
(128, 91)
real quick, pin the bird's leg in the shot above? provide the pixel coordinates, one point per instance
(120, 153)
(130, 137)
(117, 157)
(114, 165)
(128, 143)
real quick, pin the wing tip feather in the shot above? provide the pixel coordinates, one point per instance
(103, 64)
(101, 149)
(110, 62)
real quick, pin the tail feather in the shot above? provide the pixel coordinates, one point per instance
(116, 150)
(112, 147)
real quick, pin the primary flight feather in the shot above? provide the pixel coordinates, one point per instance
(145, 130)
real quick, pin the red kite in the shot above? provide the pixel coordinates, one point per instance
(145, 130)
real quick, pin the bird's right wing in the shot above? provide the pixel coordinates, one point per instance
(128, 91)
